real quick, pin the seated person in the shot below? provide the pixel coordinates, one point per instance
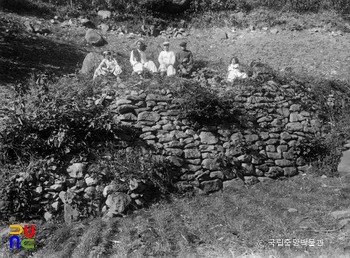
(109, 65)
(234, 72)
(184, 58)
(167, 61)
(139, 61)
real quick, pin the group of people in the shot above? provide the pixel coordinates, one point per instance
(169, 63)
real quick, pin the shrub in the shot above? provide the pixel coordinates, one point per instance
(52, 119)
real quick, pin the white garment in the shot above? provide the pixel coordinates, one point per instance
(108, 66)
(167, 61)
(235, 73)
(143, 64)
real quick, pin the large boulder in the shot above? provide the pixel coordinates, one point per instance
(76, 170)
(28, 26)
(117, 203)
(104, 14)
(344, 164)
(91, 61)
(93, 38)
(70, 214)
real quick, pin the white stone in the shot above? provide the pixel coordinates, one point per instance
(344, 164)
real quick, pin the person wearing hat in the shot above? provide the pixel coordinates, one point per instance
(184, 59)
(167, 61)
(139, 61)
(109, 65)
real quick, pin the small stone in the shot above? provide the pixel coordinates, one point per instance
(248, 169)
(274, 172)
(169, 127)
(56, 187)
(70, 182)
(109, 189)
(178, 162)
(48, 216)
(124, 109)
(139, 202)
(62, 195)
(274, 31)
(283, 111)
(192, 153)
(104, 14)
(274, 155)
(217, 174)
(194, 168)
(251, 180)
(292, 210)
(90, 190)
(234, 184)
(251, 137)
(211, 186)
(90, 181)
(70, 214)
(290, 171)
(56, 206)
(284, 162)
(118, 202)
(270, 148)
(76, 170)
(39, 190)
(148, 116)
(282, 148)
(295, 107)
(80, 183)
(208, 138)
(344, 164)
(265, 180)
(210, 164)
(341, 214)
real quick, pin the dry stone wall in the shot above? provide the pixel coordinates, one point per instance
(280, 117)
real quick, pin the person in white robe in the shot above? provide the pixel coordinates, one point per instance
(234, 72)
(139, 61)
(167, 61)
(109, 65)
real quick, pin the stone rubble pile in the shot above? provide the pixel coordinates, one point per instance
(174, 33)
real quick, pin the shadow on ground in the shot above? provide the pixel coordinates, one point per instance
(22, 53)
(25, 7)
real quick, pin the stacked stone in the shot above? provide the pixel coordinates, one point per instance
(281, 116)
(173, 33)
(275, 109)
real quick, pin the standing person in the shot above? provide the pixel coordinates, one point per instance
(139, 61)
(233, 70)
(167, 61)
(109, 65)
(185, 59)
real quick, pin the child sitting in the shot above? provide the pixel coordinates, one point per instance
(109, 65)
(234, 72)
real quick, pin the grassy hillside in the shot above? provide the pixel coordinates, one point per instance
(240, 221)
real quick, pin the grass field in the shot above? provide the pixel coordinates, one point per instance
(238, 222)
